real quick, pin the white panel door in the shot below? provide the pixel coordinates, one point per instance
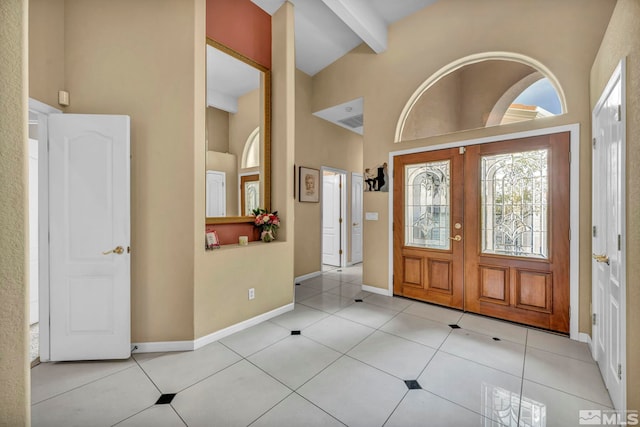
(331, 220)
(216, 199)
(608, 239)
(89, 214)
(356, 217)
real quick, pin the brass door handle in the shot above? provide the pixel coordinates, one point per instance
(355, 224)
(118, 250)
(457, 238)
(601, 258)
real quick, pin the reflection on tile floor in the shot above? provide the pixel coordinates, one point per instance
(381, 361)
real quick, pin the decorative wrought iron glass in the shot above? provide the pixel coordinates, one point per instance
(515, 204)
(428, 205)
(252, 196)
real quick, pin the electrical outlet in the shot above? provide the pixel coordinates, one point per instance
(252, 293)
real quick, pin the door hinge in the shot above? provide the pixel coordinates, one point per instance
(569, 157)
(620, 112)
(594, 142)
(619, 371)
(462, 150)
(593, 319)
(569, 234)
(594, 231)
(340, 251)
(340, 220)
(619, 242)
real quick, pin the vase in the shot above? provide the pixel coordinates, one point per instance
(267, 236)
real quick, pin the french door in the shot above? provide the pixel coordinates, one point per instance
(486, 229)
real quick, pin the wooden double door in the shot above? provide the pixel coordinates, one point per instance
(485, 228)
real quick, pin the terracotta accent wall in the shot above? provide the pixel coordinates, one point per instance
(242, 26)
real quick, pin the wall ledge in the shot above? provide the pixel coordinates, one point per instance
(167, 346)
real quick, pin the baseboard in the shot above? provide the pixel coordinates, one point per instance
(582, 337)
(375, 290)
(307, 276)
(218, 335)
(167, 346)
(162, 346)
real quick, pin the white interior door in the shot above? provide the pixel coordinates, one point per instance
(608, 239)
(216, 195)
(356, 217)
(89, 216)
(33, 231)
(331, 251)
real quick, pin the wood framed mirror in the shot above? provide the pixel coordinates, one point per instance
(238, 136)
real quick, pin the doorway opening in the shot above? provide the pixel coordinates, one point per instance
(333, 215)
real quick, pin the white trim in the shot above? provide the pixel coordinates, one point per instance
(473, 59)
(166, 346)
(43, 111)
(161, 346)
(351, 199)
(586, 338)
(307, 276)
(343, 211)
(574, 210)
(619, 74)
(42, 108)
(376, 290)
(218, 335)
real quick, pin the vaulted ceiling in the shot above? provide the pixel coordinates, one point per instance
(328, 29)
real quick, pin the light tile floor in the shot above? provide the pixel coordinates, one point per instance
(349, 366)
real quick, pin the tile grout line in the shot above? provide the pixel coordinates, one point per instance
(524, 363)
(80, 386)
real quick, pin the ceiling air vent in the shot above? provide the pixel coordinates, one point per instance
(353, 122)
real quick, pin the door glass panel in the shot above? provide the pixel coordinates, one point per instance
(428, 206)
(514, 204)
(251, 196)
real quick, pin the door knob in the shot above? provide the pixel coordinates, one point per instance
(355, 224)
(601, 258)
(457, 238)
(118, 250)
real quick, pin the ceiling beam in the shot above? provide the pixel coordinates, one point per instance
(362, 20)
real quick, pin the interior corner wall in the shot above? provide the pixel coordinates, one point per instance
(622, 40)
(112, 66)
(15, 400)
(224, 276)
(567, 37)
(46, 50)
(319, 143)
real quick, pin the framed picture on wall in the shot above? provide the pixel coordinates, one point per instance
(309, 185)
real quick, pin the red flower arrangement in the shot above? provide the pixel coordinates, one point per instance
(268, 222)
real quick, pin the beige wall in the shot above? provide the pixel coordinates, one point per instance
(621, 40)
(319, 143)
(463, 99)
(564, 36)
(223, 277)
(217, 130)
(15, 401)
(46, 50)
(111, 71)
